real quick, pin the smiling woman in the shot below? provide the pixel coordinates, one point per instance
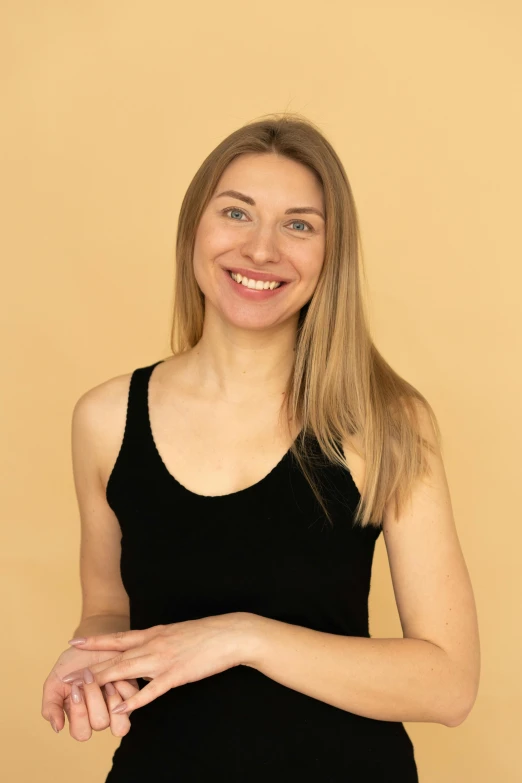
(231, 496)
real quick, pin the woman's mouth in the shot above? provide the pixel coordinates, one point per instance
(254, 289)
(257, 285)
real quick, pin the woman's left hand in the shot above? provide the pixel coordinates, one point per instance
(171, 655)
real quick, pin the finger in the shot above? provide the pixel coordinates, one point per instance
(97, 709)
(126, 669)
(53, 710)
(157, 687)
(96, 668)
(119, 723)
(119, 640)
(126, 688)
(79, 724)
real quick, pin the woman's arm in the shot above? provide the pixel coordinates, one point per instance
(97, 428)
(105, 605)
(384, 679)
(432, 674)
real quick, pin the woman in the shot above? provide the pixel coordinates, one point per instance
(249, 476)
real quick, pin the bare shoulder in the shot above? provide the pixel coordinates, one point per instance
(99, 417)
(354, 451)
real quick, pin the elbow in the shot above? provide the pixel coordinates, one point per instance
(456, 718)
(461, 689)
(460, 709)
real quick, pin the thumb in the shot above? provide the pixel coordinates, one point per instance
(53, 705)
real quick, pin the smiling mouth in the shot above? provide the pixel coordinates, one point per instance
(261, 285)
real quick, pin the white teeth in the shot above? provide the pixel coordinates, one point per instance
(257, 284)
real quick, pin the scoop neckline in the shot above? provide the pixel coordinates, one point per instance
(170, 476)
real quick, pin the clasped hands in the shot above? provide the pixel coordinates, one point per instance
(166, 655)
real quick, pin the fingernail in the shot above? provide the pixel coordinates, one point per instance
(109, 687)
(75, 694)
(53, 724)
(69, 677)
(88, 676)
(120, 708)
(77, 640)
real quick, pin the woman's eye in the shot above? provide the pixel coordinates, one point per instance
(302, 222)
(233, 209)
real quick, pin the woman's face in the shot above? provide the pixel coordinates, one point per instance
(266, 233)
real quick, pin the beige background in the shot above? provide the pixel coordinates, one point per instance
(108, 109)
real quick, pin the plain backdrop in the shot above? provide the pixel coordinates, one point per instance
(108, 109)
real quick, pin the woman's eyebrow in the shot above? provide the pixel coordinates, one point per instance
(291, 211)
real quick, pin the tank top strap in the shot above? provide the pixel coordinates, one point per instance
(137, 427)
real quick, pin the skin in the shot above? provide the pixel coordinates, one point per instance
(87, 705)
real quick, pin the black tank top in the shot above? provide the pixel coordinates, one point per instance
(266, 549)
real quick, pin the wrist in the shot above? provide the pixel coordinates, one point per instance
(250, 639)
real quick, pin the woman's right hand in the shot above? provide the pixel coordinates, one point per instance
(93, 709)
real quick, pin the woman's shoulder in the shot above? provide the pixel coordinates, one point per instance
(99, 417)
(101, 401)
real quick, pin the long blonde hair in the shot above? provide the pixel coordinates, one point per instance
(340, 388)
